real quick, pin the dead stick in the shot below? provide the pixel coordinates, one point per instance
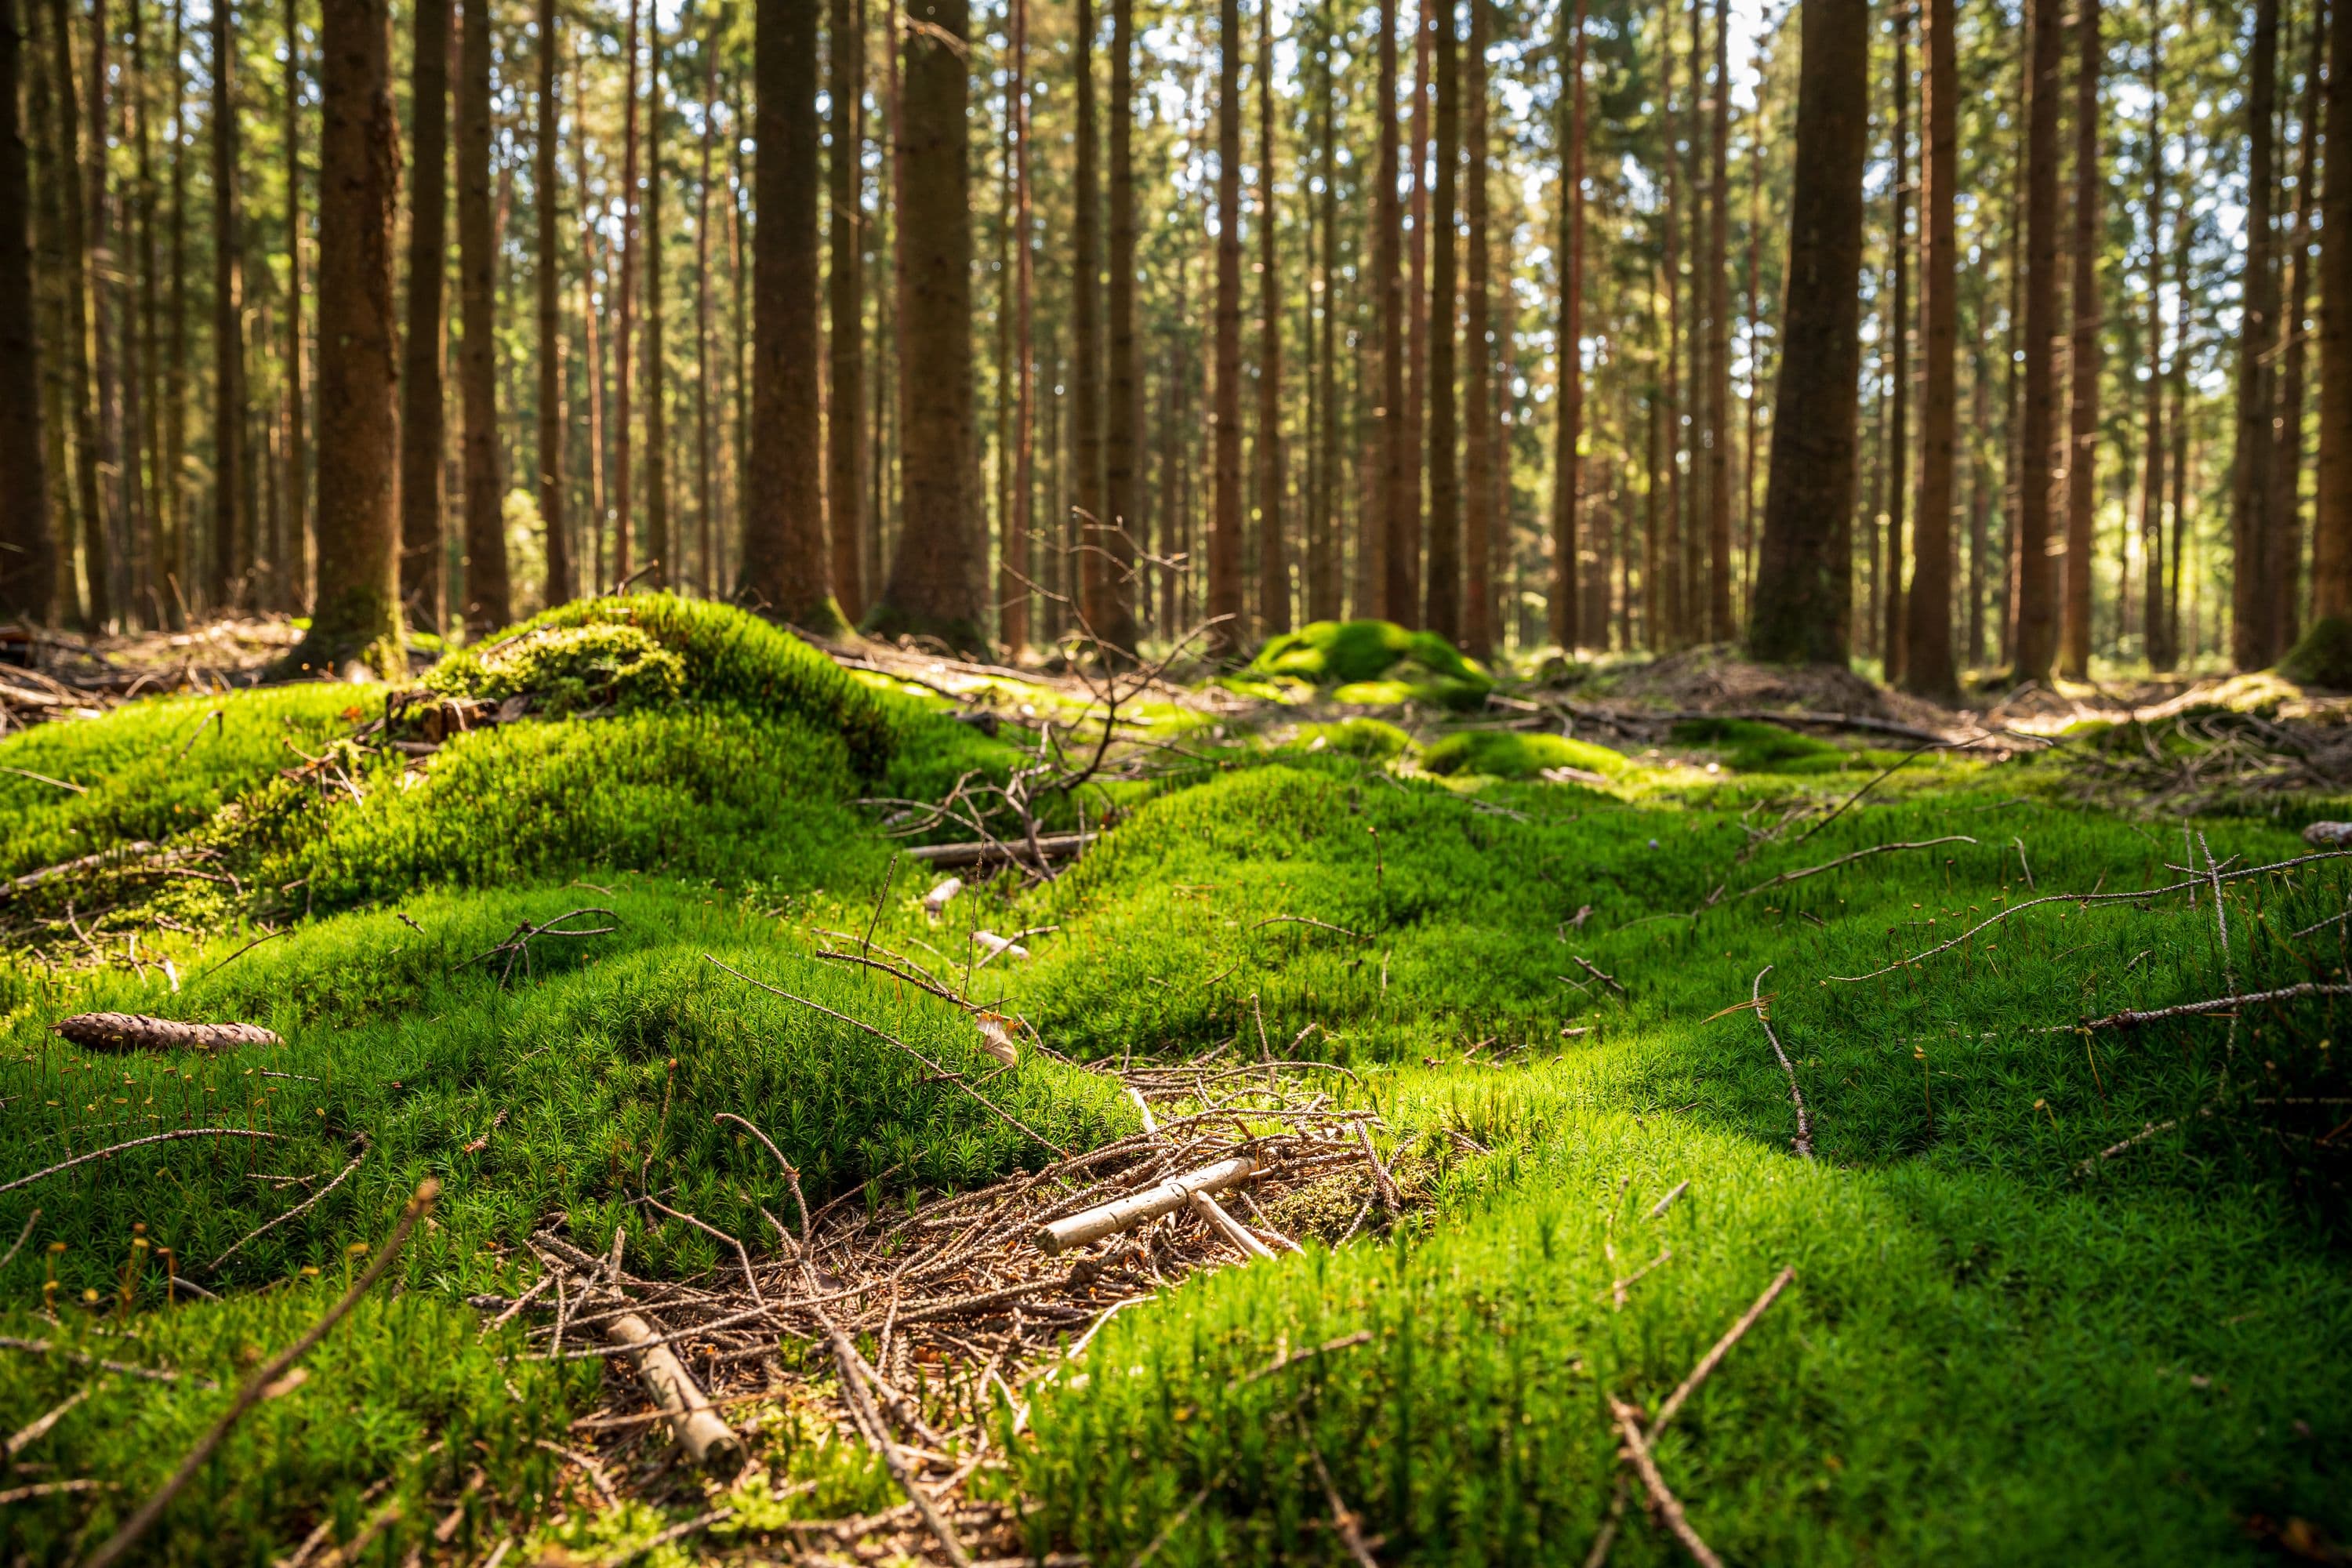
(1714, 1358)
(135, 1142)
(300, 1208)
(1804, 1139)
(1630, 1427)
(257, 1388)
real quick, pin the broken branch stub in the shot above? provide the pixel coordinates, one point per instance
(137, 1032)
(1125, 1214)
(708, 1439)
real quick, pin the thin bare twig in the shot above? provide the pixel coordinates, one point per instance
(1804, 1139)
(136, 1143)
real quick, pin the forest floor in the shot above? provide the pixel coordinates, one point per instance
(1697, 1111)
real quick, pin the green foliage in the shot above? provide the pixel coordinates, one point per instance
(600, 664)
(152, 769)
(1509, 754)
(1378, 661)
(1753, 747)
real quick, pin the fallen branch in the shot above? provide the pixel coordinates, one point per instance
(2133, 1020)
(708, 1439)
(135, 1142)
(42, 1347)
(1215, 1212)
(303, 1207)
(1629, 1425)
(1051, 845)
(1786, 877)
(1722, 1347)
(1804, 1139)
(1125, 1214)
(257, 1387)
(1303, 920)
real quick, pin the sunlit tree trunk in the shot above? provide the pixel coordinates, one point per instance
(1404, 562)
(485, 599)
(2082, 374)
(2250, 490)
(101, 537)
(1274, 569)
(1896, 459)
(1388, 526)
(1678, 618)
(2035, 608)
(1014, 574)
(2331, 539)
(74, 217)
(294, 570)
(1084, 569)
(1567, 466)
(1803, 591)
(422, 590)
(844, 494)
(358, 610)
(552, 414)
(1477, 387)
(2285, 563)
(1323, 576)
(27, 563)
(622, 485)
(1441, 610)
(1114, 620)
(1225, 523)
(1927, 623)
(1718, 354)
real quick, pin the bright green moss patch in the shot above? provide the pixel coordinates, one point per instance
(1369, 739)
(1373, 660)
(1751, 746)
(1510, 755)
(595, 665)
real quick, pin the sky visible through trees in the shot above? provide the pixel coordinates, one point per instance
(967, 379)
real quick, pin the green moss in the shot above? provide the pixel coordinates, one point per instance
(1366, 738)
(2324, 657)
(1374, 662)
(1752, 746)
(1510, 755)
(603, 664)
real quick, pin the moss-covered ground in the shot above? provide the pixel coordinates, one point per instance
(2002, 1343)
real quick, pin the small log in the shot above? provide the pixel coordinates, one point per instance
(1125, 1214)
(1215, 1212)
(705, 1437)
(1053, 846)
(137, 1032)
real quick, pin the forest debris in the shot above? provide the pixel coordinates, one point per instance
(1637, 1452)
(935, 902)
(137, 1032)
(708, 1439)
(1053, 846)
(173, 1136)
(1803, 1142)
(1125, 1214)
(2328, 835)
(1721, 1347)
(1232, 1228)
(2130, 1019)
(303, 1207)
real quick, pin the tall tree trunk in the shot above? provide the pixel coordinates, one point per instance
(1690, 166)
(1928, 621)
(294, 571)
(784, 554)
(1404, 565)
(2035, 608)
(229, 316)
(2151, 494)
(936, 575)
(552, 414)
(1897, 458)
(1015, 572)
(2082, 374)
(173, 558)
(2251, 597)
(622, 486)
(1803, 591)
(358, 611)
(27, 560)
(100, 538)
(2184, 235)
(1983, 490)
(845, 412)
(2285, 563)
(661, 553)
(1567, 472)
(486, 606)
(1115, 621)
(1678, 618)
(1391, 526)
(2325, 650)
(1323, 585)
(74, 220)
(1084, 569)
(422, 590)
(1720, 626)
(1477, 390)
(1274, 570)
(1225, 524)
(1441, 612)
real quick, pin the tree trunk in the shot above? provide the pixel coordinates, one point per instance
(1927, 623)
(1389, 528)
(1274, 568)
(73, 227)
(173, 560)
(2331, 537)
(2284, 562)
(2250, 490)
(551, 411)
(1084, 569)
(661, 553)
(422, 590)
(622, 485)
(846, 411)
(935, 584)
(1115, 622)
(486, 606)
(1225, 525)
(1720, 626)
(1404, 564)
(784, 553)
(27, 560)
(2035, 609)
(294, 569)
(358, 613)
(1015, 572)
(1567, 472)
(1441, 612)
(1323, 578)
(1477, 391)
(1677, 619)
(1803, 594)
(99, 538)
(1896, 459)
(2083, 372)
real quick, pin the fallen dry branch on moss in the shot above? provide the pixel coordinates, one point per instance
(1786, 876)
(1051, 846)
(1803, 1142)
(137, 1032)
(297, 1210)
(1637, 1454)
(2130, 1019)
(134, 1143)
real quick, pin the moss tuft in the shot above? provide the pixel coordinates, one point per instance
(1375, 662)
(605, 663)
(1369, 739)
(1508, 754)
(1753, 747)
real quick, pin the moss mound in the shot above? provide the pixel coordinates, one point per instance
(1371, 738)
(1508, 754)
(1752, 747)
(603, 664)
(2324, 657)
(1375, 662)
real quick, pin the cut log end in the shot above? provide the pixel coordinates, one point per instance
(137, 1032)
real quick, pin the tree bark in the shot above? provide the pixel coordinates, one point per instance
(1274, 567)
(784, 554)
(2034, 607)
(1085, 568)
(1441, 611)
(1928, 624)
(358, 610)
(1115, 621)
(1567, 472)
(1720, 626)
(2083, 372)
(1477, 389)
(484, 600)
(845, 410)
(422, 590)
(621, 484)
(1803, 591)
(935, 584)
(552, 414)
(100, 537)
(2249, 490)
(2331, 540)
(1323, 577)
(2283, 566)
(661, 552)
(1388, 527)
(294, 571)
(1677, 618)
(1014, 572)
(27, 560)
(1225, 524)
(73, 219)
(1404, 564)
(1896, 459)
